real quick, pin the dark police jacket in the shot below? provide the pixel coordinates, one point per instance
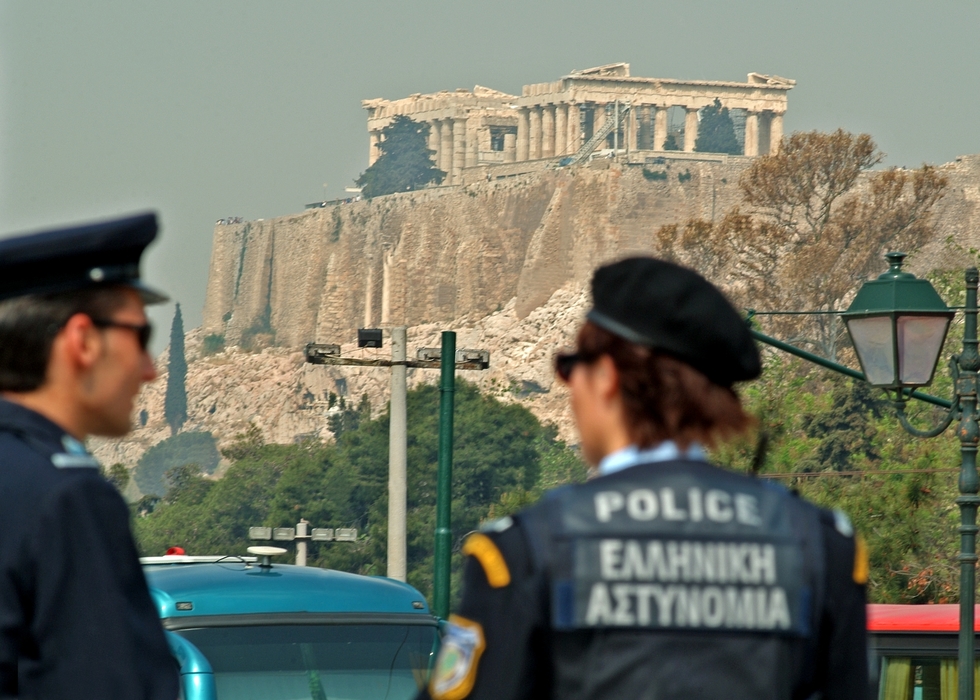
(665, 580)
(76, 619)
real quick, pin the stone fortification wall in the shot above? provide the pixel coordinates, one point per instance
(957, 219)
(447, 253)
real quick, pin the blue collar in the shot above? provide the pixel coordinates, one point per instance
(632, 455)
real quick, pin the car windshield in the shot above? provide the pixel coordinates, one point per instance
(316, 662)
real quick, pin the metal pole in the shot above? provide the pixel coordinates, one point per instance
(830, 364)
(447, 388)
(301, 531)
(616, 128)
(969, 432)
(397, 458)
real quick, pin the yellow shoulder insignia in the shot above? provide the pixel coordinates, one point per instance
(488, 554)
(860, 574)
(455, 671)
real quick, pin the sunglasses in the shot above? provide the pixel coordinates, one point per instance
(565, 362)
(143, 331)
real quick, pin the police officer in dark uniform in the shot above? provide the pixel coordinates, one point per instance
(665, 576)
(76, 619)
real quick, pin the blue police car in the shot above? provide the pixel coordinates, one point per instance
(243, 628)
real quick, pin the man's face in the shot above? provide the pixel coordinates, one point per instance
(122, 367)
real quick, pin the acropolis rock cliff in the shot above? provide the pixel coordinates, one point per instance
(505, 263)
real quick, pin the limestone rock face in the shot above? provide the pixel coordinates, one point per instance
(287, 399)
(448, 252)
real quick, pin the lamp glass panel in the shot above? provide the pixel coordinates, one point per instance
(873, 340)
(920, 339)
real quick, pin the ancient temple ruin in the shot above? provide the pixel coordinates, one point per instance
(554, 121)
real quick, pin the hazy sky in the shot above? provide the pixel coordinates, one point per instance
(204, 109)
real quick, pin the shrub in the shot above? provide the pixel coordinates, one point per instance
(184, 448)
(213, 343)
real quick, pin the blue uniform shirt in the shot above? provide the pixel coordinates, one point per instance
(76, 618)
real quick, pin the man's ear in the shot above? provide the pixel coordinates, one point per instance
(79, 342)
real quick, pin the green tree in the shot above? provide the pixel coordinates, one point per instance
(847, 429)
(502, 458)
(186, 484)
(716, 132)
(185, 448)
(670, 143)
(117, 475)
(347, 417)
(405, 162)
(175, 400)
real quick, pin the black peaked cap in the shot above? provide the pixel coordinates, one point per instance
(68, 259)
(674, 310)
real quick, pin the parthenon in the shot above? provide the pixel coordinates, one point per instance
(553, 120)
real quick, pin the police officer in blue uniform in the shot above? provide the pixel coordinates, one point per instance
(665, 577)
(76, 618)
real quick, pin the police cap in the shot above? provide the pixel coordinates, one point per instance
(674, 310)
(68, 259)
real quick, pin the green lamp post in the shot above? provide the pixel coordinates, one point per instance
(898, 324)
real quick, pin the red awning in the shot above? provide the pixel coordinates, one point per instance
(917, 618)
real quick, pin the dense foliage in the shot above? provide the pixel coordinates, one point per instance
(503, 459)
(716, 132)
(175, 400)
(833, 440)
(184, 448)
(839, 444)
(670, 143)
(405, 162)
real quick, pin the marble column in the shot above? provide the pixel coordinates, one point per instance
(751, 134)
(573, 141)
(659, 127)
(534, 129)
(632, 127)
(433, 142)
(446, 150)
(765, 122)
(775, 133)
(459, 149)
(690, 129)
(374, 152)
(523, 137)
(561, 130)
(510, 147)
(548, 131)
(472, 144)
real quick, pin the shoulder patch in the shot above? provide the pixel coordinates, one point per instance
(861, 565)
(455, 671)
(842, 524)
(485, 551)
(63, 460)
(75, 455)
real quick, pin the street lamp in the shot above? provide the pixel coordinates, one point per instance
(898, 324)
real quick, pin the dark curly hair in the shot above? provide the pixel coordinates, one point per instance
(666, 399)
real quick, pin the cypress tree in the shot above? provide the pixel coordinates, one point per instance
(175, 401)
(405, 162)
(716, 132)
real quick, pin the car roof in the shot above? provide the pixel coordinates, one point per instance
(917, 618)
(232, 587)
